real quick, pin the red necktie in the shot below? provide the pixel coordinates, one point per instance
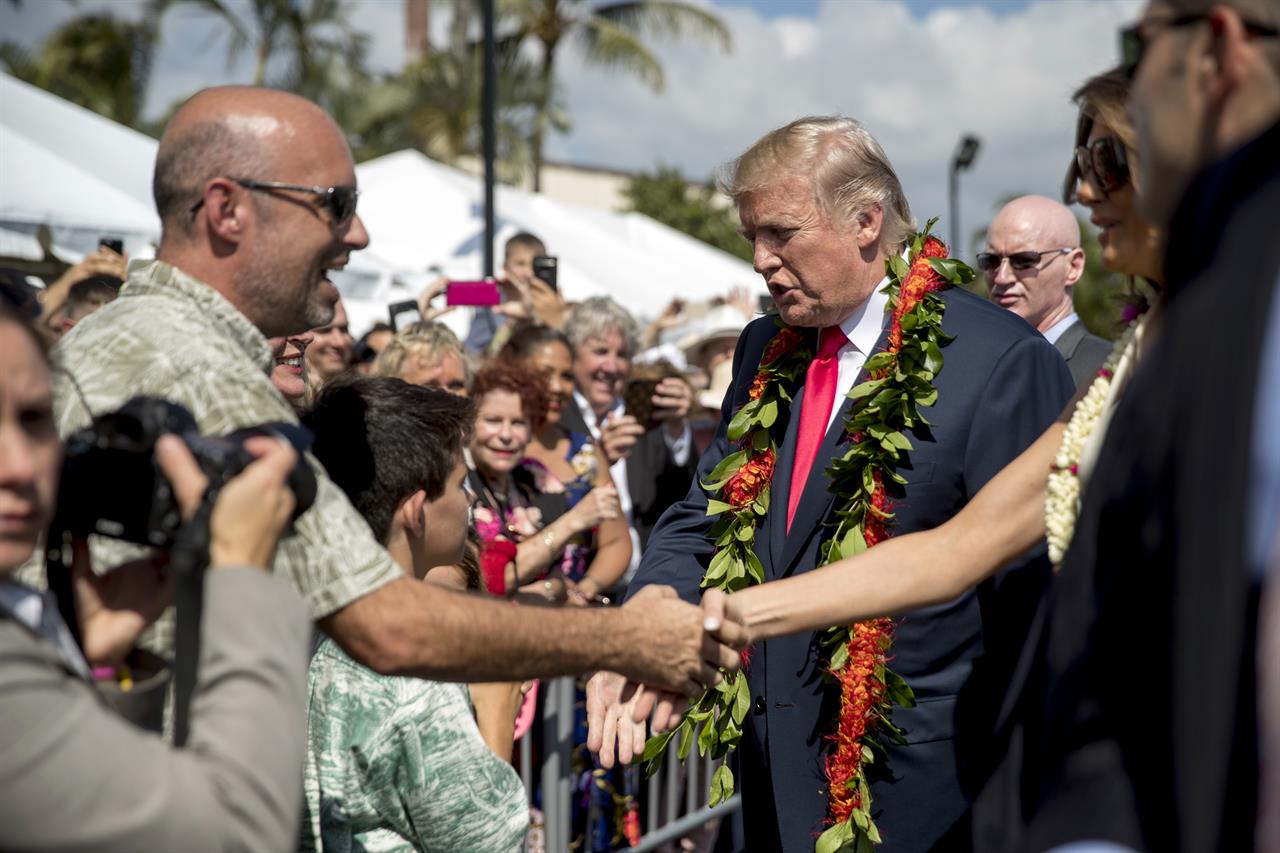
(815, 411)
(1268, 663)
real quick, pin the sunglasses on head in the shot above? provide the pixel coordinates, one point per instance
(990, 262)
(1104, 160)
(1133, 42)
(339, 201)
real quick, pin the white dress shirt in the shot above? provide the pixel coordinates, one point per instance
(863, 328)
(1055, 331)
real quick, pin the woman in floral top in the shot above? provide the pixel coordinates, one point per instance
(521, 503)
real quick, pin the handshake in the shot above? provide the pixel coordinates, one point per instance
(620, 709)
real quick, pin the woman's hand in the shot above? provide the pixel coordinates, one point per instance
(497, 705)
(599, 504)
(428, 295)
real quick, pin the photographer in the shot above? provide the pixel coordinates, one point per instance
(73, 773)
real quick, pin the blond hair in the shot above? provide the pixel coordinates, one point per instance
(851, 172)
(429, 341)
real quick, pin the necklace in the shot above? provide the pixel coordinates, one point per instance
(1062, 491)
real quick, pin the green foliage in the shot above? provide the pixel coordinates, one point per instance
(98, 61)
(610, 34)
(668, 198)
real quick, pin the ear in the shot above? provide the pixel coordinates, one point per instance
(1075, 266)
(411, 515)
(226, 211)
(867, 226)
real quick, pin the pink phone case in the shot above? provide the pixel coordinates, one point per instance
(472, 293)
(527, 709)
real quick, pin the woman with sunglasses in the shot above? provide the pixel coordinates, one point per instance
(1008, 516)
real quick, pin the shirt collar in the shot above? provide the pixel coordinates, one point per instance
(1055, 331)
(589, 414)
(157, 278)
(25, 604)
(864, 325)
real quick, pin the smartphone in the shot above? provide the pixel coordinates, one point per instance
(472, 293)
(547, 268)
(115, 244)
(764, 303)
(403, 314)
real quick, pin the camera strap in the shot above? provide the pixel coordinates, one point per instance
(188, 560)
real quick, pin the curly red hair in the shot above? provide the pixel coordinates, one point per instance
(530, 387)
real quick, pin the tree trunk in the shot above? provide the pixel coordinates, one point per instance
(544, 107)
(264, 53)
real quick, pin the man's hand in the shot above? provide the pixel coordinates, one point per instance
(254, 508)
(673, 648)
(618, 435)
(616, 714)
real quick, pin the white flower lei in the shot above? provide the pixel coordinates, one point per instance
(1062, 492)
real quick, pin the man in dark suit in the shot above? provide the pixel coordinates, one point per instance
(823, 225)
(1150, 737)
(1032, 262)
(652, 465)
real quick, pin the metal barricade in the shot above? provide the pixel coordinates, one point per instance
(675, 798)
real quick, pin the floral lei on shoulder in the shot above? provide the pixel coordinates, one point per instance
(885, 407)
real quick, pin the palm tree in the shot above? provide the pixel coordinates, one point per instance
(314, 36)
(98, 61)
(610, 34)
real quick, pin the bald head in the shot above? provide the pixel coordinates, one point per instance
(233, 131)
(1039, 293)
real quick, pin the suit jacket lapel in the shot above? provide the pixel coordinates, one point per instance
(815, 501)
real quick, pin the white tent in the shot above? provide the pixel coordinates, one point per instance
(67, 167)
(422, 215)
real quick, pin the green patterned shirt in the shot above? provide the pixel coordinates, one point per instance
(171, 336)
(398, 764)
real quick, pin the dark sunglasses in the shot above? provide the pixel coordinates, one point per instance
(1133, 44)
(339, 201)
(1104, 160)
(990, 262)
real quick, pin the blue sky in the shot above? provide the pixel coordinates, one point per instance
(918, 73)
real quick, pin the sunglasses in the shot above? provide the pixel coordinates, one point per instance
(339, 201)
(1104, 160)
(1133, 43)
(990, 262)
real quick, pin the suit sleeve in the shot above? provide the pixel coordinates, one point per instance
(1026, 391)
(680, 546)
(75, 776)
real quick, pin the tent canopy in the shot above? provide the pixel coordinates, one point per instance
(67, 167)
(422, 215)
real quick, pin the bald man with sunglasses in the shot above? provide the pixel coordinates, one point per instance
(256, 191)
(1032, 261)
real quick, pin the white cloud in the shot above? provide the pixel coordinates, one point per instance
(918, 85)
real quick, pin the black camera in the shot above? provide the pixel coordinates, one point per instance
(113, 486)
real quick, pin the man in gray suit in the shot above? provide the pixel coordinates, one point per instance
(1032, 261)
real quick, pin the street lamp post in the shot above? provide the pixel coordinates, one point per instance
(966, 153)
(488, 106)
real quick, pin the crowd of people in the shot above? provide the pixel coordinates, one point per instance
(1077, 541)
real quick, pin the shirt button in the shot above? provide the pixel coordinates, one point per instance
(759, 704)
